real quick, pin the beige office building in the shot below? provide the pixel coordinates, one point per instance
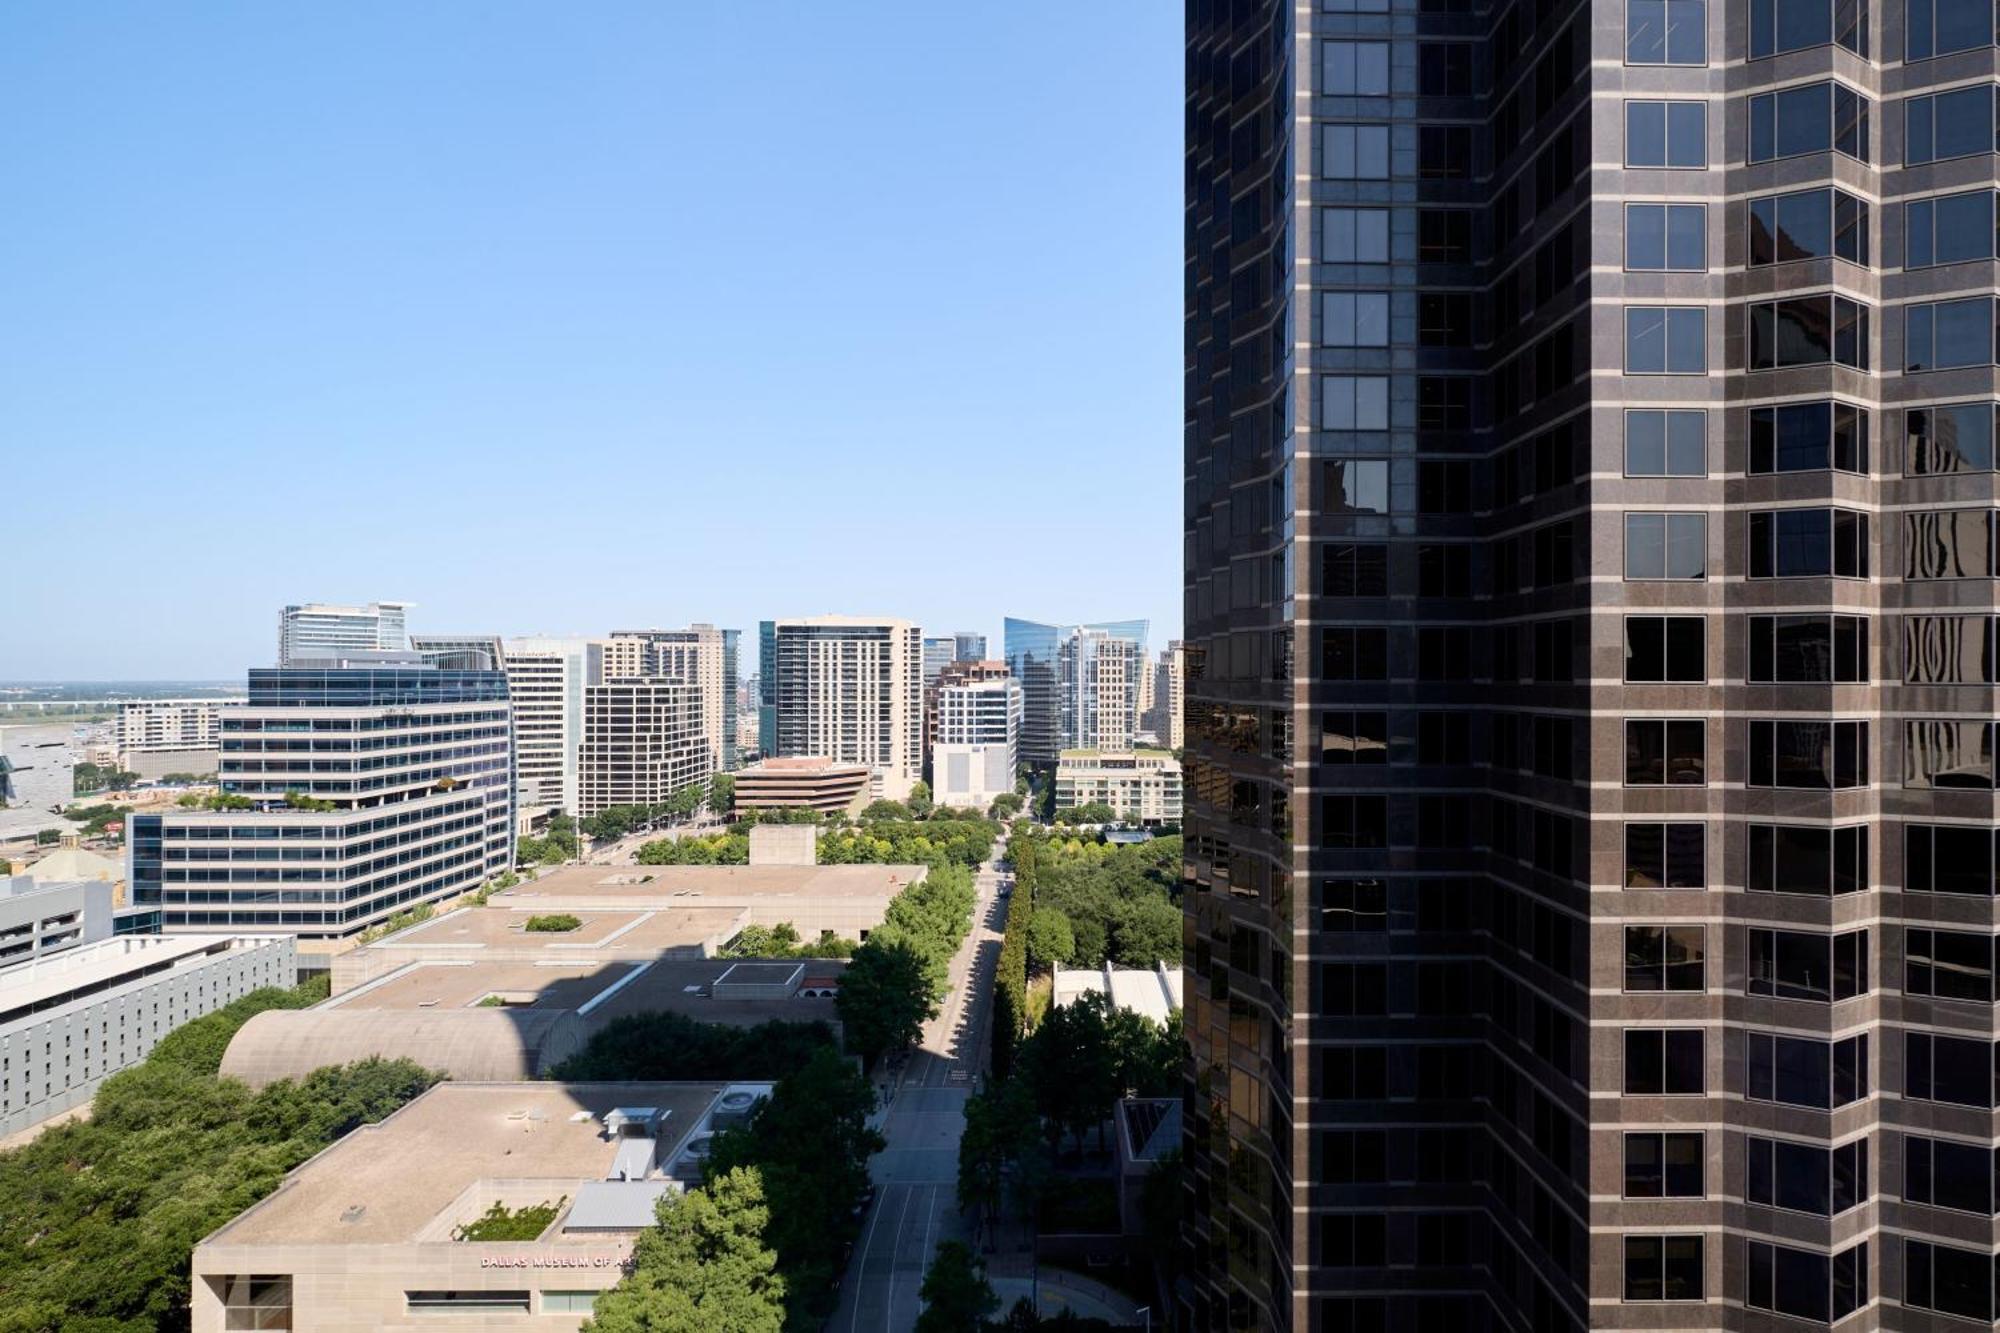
(1143, 786)
(643, 740)
(851, 689)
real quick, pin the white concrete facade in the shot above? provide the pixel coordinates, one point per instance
(545, 681)
(315, 628)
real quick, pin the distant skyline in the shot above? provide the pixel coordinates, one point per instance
(572, 321)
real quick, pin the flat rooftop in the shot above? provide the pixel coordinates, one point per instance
(93, 968)
(635, 930)
(610, 989)
(697, 886)
(384, 1184)
(1153, 992)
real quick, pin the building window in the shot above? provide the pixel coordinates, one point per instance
(1809, 224)
(1948, 438)
(1950, 1281)
(1666, 752)
(1948, 965)
(1354, 69)
(1354, 319)
(1798, 965)
(1809, 650)
(1944, 1174)
(1948, 858)
(1945, 125)
(1808, 437)
(1941, 335)
(1666, 340)
(1805, 1177)
(254, 1302)
(1949, 229)
(1808, 331)
(1666, 648)
(1444, 235)
(569, 1302)
(1666, 134)
(1354, 235)
(1354, 653)
(1666, 546)
(1356, 486)
(1939, 27)
(1348, 905)
(1444, 152)
(1777, 26)
(1444, 69)
(1354, 152)
(1666, 443)
(1665, 958)
(1948, 650)
(1354, 402)
(1946, 754)
(1666, 856)
(1663, 1166)
(1800, 858)
(1354, 821)
(1666, 32)
(1354, 738)
(1444, 319)
(463, 1302)
(1805, 1285)
(1808, 543)
(1444, 402)
(1955, 1070)
(1809, 119)
(1801, 1071)
(1666, 237)
(1663, 1268)
(1812, 755)
(1664, 1062)
(1354, 569)
(1948, 544)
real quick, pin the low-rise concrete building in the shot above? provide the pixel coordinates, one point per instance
(69, 1020)
(367, 1235)
(1153, 992)
(42, 917)
(804, 784)
(1143, 786)
(846, 900)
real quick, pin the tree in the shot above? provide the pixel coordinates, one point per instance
(657, 1045)
(703, 1266)
(1005, 806)
(957, 1296)
(1093, 812)
(1050, 939)
(919, 800)
(884, 810)
(1000, 1154)
(1074, 1067)
(886, 996)
(722, 793)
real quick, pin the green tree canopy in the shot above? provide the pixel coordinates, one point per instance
(1050, 939)
(957, 1296)
(704, 1267)
(668, 1046)
(886, 995)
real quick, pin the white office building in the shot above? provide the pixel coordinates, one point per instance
(1098, 676)
(977, 745)
(644, 739)
(545, 683)
(40, 917)
(700, 655)
(851, 689)
(317, 628)
(1141, 787)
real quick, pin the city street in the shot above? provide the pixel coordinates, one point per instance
(916, 1176)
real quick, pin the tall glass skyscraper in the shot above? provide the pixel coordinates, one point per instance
(1589, 420)
(1034, 653)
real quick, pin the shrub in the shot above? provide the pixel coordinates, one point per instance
(554, 924)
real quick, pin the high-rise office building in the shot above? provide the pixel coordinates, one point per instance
(850, 689)
(1033, 655)
(545, 682)
(1589, 420)
(968, 646)
(977, 734)
(959, 673)
(767, 688)
(1165, 721)
(317, 628)
(376, 781)
(1098, 677)
(939, 653)
(644, 739)
(700, 655)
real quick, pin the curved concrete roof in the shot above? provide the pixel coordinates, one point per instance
(470, 1045)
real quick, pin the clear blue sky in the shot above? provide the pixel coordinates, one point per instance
(577, 317)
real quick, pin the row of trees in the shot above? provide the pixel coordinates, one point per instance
(897, 976)
(1096, 901)
(99, 1217)
(89, 778)
(935, 842)
(783, 941)
(557, 844)
(669, 1046)
(759, 1246)
(1010, 983)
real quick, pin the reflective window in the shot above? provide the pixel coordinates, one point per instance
(1948, 965)
(1666, 752)
(1943, 334)
(1957, 1070)
(1948, 229)
(1809, 649)
(1808, 543)
(1800, 965)
(1806, 858)
(1948, 858)
(1800, 1071)
(1670, 443)
(1948, 544)
(1666, 340)
(1805, 1177)
(1949, 1280)
(1805, 1285)
(1666, 32)
(1808, 437)
(1354, 235)
(1355, 69)
(1808, 331)
(1663, 1268)
(1809, 754)
(1356, 652)
(1354, 319)
(1936, 27)
(1951, 1175)
(1809, 119)
(1354, 738)
(1948, 650)
(1666, 546)
(1354, 152)
(1777, 26)
(1355, 6)
(1354, 402)
(1444, 69)
(1666, 856)
(1444, 235)
(1354, 905)
(1670, 237)
(1808, 224)
(1954, 124)
(1665, 958)
(1357, 486)
(1663, 1166)
(1666, 134)
(1947, 438)
(1947, 754)
(1666, 648)
(1664, 1062)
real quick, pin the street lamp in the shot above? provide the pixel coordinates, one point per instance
(1147, 1311)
